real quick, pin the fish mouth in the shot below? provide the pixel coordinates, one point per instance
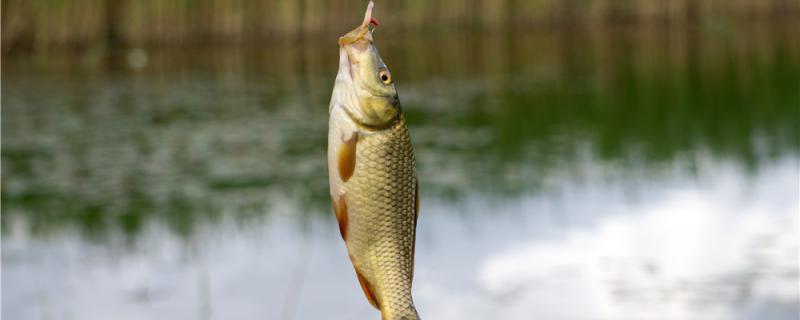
(362, 33)
(357, 41)
(359, 35)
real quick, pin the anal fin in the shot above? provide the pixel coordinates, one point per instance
(373, 300)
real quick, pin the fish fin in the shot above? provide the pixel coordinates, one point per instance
(346, 157)
(340, 210)
(416, 219)
(373, 300)
(416, 203)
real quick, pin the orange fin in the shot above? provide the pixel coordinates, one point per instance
(340, 209)
(373, 300)
(347, 158)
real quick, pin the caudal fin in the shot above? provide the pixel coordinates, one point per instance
(408, 313)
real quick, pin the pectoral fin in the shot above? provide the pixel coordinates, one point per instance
(346, 158)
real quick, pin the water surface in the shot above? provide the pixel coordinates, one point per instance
(574, 175)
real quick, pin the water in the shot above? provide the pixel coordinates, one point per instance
(574, 175)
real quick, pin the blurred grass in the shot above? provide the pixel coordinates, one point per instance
(42, 25)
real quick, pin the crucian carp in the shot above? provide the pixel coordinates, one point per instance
(372, 173)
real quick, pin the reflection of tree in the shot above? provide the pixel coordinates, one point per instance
(113, 151)
(113, 16)
(45, 25)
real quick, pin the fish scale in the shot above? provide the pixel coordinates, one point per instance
(381, 200)
(372, 174)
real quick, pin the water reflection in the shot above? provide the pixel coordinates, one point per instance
(721, 251)
(627, 173)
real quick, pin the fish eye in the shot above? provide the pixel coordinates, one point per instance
(385, 76)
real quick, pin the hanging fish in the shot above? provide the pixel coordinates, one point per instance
(372, 174)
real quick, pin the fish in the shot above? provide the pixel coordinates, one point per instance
(372, 174)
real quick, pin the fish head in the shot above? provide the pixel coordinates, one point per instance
(365, 87)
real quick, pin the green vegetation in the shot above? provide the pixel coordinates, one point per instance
(201, 135)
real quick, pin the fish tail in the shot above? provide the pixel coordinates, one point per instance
(408, 313)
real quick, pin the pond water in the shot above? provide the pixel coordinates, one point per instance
(581, 174)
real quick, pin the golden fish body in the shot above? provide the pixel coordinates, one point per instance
(377, 211)
(373, 177)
